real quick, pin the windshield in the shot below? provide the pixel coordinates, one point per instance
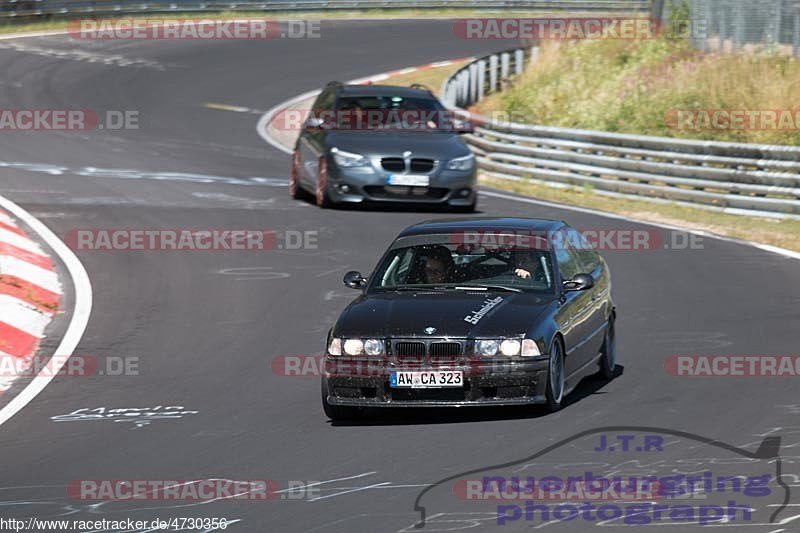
(449, 265)
(392, 112)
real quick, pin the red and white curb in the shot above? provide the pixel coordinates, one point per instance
(30, 295)
(29, 298)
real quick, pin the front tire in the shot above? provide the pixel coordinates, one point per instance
(321, 195)
(554, 395)
(336, 412)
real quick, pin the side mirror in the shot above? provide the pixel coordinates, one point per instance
(463, 126)
(354, 280)
(314, 123)
(580, 282)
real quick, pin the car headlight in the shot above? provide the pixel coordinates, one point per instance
(461, 163)
(353, 347)
(510, 347)
(373, 347)
(487, 348)
(335, 347)
(348, 159)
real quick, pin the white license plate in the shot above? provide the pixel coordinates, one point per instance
(411, 180)
(433, 379)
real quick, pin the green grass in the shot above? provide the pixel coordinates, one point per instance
(631, 86)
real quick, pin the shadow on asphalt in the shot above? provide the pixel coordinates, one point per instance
(418, 416)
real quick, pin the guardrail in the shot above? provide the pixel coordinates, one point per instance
(27, 9)
(734, 177)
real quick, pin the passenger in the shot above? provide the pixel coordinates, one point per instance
(439, 265)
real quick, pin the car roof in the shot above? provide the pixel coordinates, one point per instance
(453, 225)
(383, 90)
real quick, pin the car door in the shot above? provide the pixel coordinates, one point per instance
(311, 144)
(592, 264)
(576, 311)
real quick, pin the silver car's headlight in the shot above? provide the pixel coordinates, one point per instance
(348, 159)
(462, 163)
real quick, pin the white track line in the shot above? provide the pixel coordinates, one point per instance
(80, 312)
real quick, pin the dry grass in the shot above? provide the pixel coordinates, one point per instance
(633, 86)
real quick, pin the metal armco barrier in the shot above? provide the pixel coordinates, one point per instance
(28, 10)
(734, 177)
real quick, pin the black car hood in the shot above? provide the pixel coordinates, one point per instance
(452, 313)
(434, 145)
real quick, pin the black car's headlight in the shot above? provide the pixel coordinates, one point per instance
(349, 159)
(372, 347)
(507, 347)
(461, 163)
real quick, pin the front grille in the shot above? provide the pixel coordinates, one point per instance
(393, 164)
(416, 165)
(444, 351)
(410, 352)
(421, 165)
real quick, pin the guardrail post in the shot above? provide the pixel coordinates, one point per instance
(493, 73)
(473, 84)
(796, 34)
(481, 80)
(505, 65)
(519, 61)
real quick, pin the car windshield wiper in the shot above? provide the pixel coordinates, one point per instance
(483, 287)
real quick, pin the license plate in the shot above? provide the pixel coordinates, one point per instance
(411, 180)
(434, 379)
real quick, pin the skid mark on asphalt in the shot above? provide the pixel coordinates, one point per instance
(132, 174)
(114, 60)
(253, 273)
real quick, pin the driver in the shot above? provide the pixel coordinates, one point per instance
(439, 265)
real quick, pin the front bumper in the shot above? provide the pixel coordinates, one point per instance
(446, 187)
(486, 383)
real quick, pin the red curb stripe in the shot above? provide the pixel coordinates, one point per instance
(44, 300)
(12, 229)
(41, 261)
(16, 342)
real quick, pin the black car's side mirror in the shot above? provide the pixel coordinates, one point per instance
(580, 282)
(354, 280)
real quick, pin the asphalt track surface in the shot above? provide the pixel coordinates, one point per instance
(206, 325)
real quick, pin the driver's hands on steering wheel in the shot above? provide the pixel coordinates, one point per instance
(522, 273)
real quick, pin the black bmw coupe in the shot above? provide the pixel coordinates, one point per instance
(478, 311)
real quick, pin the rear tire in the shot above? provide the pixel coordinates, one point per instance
(608, 359)
(554, 395)
(336, 412)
